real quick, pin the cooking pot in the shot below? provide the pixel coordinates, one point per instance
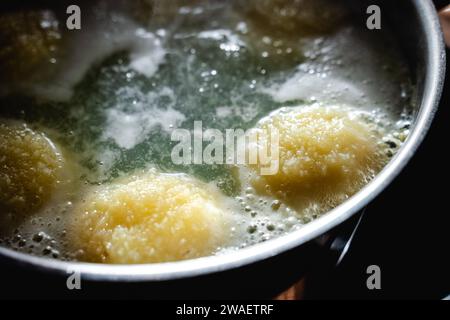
(263, 270)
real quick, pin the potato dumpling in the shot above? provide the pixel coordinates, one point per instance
(274, 29)
(29, 40)
(325, 154)
(140, 10)
(30, 167)
(151, 217)
(293, 17)
(169, 9)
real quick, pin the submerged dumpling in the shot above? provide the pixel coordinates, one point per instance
(30, 41)
(141, 11)
(294, 17)
(153, 217)
(30, 166)
(275, 30)
(326, 154)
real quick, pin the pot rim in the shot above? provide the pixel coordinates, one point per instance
(434, 80)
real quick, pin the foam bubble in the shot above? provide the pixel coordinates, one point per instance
(87, 48)
(129, 124)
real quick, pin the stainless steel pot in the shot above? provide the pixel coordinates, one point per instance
(267, 268)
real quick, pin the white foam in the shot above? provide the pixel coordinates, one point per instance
(148, 54)
(246, 112)
(223, 112)
(311, 87)
(86, 49)
(231, 42)
(129, 123)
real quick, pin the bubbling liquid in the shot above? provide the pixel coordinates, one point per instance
(342, 106)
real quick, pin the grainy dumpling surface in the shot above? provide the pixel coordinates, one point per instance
(152, 217)
(325, 154)
(30, 167)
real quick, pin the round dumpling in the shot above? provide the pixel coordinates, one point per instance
(274, 29)
(152, 217)
(294, 17)
(141, 11)
(325, 154)
(30, 41)
(30, 167)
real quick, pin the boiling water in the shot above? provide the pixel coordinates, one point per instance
(122, 87)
